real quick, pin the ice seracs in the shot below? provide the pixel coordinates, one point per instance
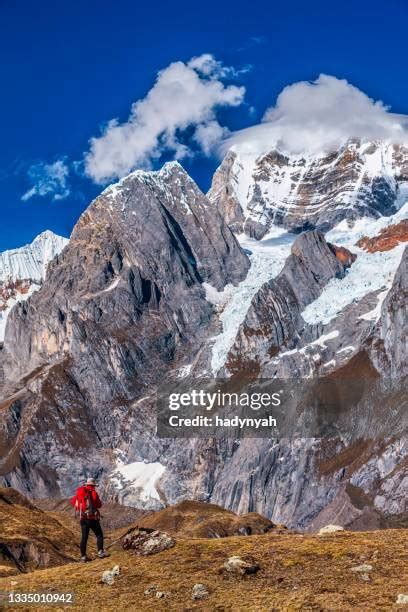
(267, 259)
(370, 272)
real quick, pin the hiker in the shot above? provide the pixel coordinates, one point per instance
(86, 502)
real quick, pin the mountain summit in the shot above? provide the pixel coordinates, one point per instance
(22, 271)
(254, 192)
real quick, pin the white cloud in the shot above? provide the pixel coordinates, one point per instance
(185, 95)
(48, 179)
(318, 116)
(208, 135)
(208, 66)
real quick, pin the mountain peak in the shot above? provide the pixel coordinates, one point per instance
(22, 270)
(360, 178)
(168, 169)
(47, 235)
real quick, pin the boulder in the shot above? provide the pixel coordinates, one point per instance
(240, 567)
(147, 542)
(199, 591)
(108, 576)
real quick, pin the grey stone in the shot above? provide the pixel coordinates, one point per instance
(199, 591)
(236, 565)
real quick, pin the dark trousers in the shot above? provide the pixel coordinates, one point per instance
(86, 526)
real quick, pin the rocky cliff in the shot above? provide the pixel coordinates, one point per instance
(155, 287)
(119, 308)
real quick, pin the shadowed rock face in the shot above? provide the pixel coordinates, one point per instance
(118, 308)
(306, 192)
(391, 337)
(135, 262)
(223, 194)
(123, 307)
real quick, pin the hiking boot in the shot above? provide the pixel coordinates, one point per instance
(85, 559)
(102, 554)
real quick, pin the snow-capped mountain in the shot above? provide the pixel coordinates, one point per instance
(22, 271)
(299, 192)
(154, 287)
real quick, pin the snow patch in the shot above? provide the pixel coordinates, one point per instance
(329, 364)
(347, 349)
(321, 341)
(184, 371)
(139, 476)
(107, 289)
(215, 297)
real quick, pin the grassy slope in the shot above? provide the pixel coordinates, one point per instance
(44, 538)
(194, 519)
(297, 572)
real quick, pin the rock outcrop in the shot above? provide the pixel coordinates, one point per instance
(391, 337)
(146, 542)
(240, 567)
(387, 239)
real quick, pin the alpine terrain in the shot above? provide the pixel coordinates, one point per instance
(291, 267)
(23, 270)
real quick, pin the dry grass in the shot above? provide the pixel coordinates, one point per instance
(193, 519)
(30, 538)
(298, 572)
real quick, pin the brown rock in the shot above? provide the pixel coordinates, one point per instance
(387, 239)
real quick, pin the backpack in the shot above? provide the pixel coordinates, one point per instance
(84, 503)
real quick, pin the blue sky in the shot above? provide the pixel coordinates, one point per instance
(67, 68)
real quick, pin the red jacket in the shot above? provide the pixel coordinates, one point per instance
(86, 502)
